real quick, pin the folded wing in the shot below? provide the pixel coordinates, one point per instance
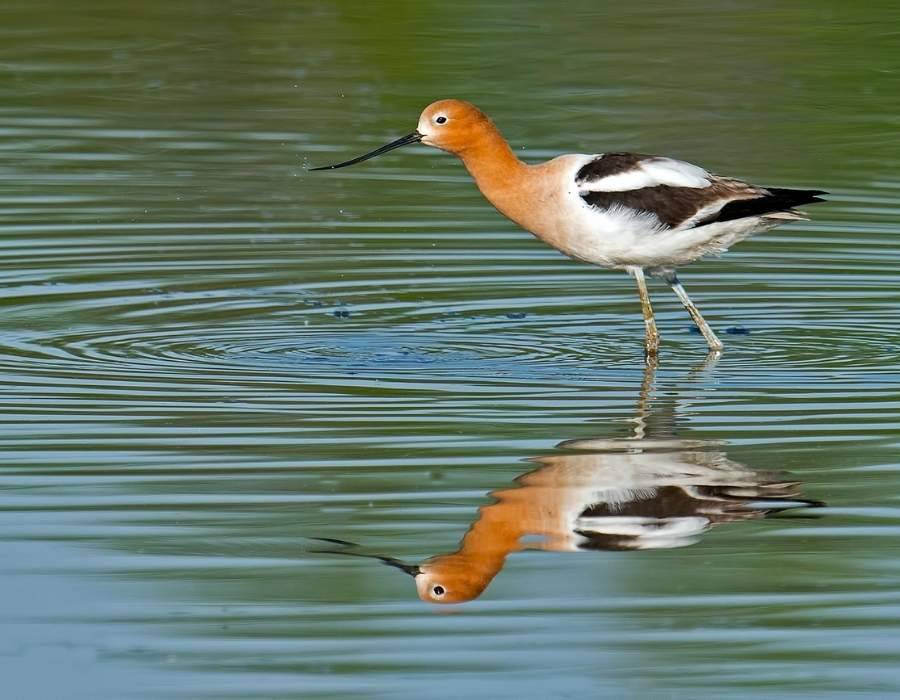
(679, 194)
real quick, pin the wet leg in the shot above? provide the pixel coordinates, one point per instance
(651, 343)
(715, 345)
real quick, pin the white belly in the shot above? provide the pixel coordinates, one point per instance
(619, 238)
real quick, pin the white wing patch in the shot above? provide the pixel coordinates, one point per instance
(651, 172)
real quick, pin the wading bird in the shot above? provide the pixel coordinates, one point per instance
(625, 211)
(651, 490)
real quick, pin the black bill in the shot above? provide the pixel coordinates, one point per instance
(343, 547)
(414, 137)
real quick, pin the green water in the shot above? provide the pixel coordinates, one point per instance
(210, 357)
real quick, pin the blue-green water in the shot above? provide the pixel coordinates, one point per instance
(210, 357)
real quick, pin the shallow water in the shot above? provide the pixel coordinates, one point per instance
(211, 358)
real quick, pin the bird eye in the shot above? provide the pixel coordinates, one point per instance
(441, 119)
(438, 591)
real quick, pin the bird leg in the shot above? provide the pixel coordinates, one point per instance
(644, 398)
(715, 345)
(651, 343)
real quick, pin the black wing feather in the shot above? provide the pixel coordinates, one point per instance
(778, 199)
(609, 164)
(675, 205)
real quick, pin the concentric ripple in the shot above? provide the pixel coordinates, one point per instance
(214, 317)
(254, 331)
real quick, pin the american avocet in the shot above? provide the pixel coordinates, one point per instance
(651, 490)
(625, 211)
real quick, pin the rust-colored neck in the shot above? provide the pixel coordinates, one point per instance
(483, 551)
(496, 170)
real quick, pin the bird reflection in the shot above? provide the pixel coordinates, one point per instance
(649, 490)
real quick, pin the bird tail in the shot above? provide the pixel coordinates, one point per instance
(777, 203)
(794, 198)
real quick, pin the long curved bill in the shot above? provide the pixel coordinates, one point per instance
(414, 137)
(411, 569)
(344, 547)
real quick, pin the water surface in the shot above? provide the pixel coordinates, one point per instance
(210, 357)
